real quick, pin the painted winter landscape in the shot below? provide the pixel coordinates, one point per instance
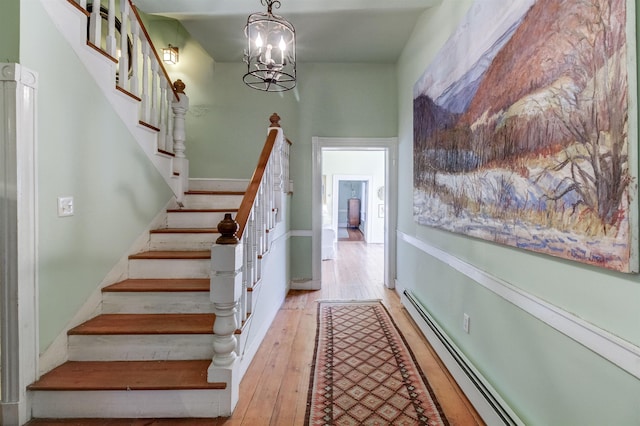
(521, 131)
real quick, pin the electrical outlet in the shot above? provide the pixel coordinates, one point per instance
(466, 323)
(65, 206)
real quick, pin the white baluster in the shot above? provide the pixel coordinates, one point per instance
(259, 221)
(270, 188)
(111, 32)
(95, 24)
(287, 180)
(164, 110)
(169, 142)
(153, 111)
(144, 95)
(135, 55)
(244, 298)
(254, 251)
(123, 60)
(83, 4)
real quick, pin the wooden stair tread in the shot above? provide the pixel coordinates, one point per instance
(127, 375)
(172, 254)
(119, 324)
(185, 231)
(202, 192)
(160, 285)
(201, 210)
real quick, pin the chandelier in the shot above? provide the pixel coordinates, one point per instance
(271, 51)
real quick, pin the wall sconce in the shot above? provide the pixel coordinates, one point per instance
(271, 51)
(170, 54)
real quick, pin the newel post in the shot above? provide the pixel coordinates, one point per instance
(278, 168)
(226, 291)
(180, 107)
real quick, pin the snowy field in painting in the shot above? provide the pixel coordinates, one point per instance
(500, 186)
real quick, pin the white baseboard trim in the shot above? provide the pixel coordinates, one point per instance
(487, 402)
(300, 233)
(304, 285)
(614, 349)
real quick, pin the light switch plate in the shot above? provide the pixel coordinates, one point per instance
(65, 206)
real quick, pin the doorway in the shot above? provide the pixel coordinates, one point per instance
(377, 204)
(351, 212)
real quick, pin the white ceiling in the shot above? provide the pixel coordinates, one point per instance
(326, 31)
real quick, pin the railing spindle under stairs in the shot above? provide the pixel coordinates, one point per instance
(237, 255)
(141, 75)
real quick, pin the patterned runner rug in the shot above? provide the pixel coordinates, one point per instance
(364, 373)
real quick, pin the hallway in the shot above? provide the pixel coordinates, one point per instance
(274, 390)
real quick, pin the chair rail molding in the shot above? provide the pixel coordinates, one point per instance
(18, 279)
(612, 348)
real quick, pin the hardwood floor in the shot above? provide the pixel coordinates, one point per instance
(352, 234)
(274, 389)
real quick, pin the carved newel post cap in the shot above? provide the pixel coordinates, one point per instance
(227, 228)
(179, 86)
(275, 120)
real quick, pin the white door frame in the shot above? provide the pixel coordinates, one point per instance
(390, 147)
(18, 208)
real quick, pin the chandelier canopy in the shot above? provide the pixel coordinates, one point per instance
(271, 51)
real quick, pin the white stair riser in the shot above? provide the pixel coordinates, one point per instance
(169, 268)
(196, 302)
(162, 241)
(140, 347)
(195, 220)
(218, 184)
(193, 201)
(129, 404)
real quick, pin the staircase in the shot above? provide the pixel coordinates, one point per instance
(147, 353)
(174, 339)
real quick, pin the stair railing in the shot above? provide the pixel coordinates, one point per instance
(141, 75)
(237, 255)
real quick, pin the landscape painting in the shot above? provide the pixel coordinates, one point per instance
(522, 131)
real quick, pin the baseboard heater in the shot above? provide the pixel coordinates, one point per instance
(489, 405)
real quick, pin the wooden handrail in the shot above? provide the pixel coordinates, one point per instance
(252, 190)
(146, 34)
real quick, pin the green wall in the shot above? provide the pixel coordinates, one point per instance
(546, 377)
(9, 30)
(84, 151)
(227, 121)
(331, 100)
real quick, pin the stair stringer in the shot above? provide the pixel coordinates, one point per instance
(73, 26)
(268, 294)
